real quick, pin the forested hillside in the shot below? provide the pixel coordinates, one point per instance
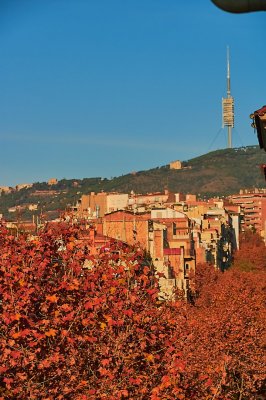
(220, 172)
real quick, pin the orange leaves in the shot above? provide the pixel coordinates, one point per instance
(44, 364)
(203, 377)
(44, 322)
(105, 361)
(91, 392)
(16, 335)
(214, 390)
(150, 357)
(91, 339)
(143, 344)
(129, 312)
(146, 270)
(85, 321)
(51, 333)
(112, 290)
(15, 354)
(102, 325)
(180, 365)
(95, 301)
(21, 376)
(152, 292)
(66, 307)
(52, 299)
(21, 282)
(135, 381)
(64, 332)
(166, 381)
(103, 371)
(56, 357)
(154, 396)
(74, 285)
(88, 305)
(102, 333)
(252, 253)
(21, 334)
(136, 318)
(8, 382)
(123, 393)
(15, 317)
(3, 369)
(31, 253)
(70, 246)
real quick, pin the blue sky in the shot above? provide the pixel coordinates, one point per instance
(105, 87)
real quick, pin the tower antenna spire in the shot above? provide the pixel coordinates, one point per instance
(228, 73)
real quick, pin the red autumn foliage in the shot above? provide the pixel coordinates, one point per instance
(96, 330)
(252, 253)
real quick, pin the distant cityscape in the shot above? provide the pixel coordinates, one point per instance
(178, 230)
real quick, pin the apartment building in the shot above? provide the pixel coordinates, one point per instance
(179, 247)
(95, 205)
(253, 209)
(150, 199)
(215, 229)
(127, 226)
(166, 234)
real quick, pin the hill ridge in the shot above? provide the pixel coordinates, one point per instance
(217, 173)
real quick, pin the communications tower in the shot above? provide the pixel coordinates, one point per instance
(228, 106)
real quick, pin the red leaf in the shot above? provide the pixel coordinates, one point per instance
(88, 305)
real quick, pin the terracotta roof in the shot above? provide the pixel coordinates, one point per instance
(261, 111)
(127, 215)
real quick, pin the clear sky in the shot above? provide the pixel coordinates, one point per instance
(105, 87)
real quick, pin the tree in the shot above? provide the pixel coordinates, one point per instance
(251, 255)
(77, 326)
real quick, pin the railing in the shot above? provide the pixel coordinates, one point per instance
(181, 236)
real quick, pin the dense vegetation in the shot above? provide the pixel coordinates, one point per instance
(83, 327)
(220, 172)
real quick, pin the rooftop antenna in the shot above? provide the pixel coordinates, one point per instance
(228, 106)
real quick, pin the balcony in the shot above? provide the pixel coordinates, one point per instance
(189, 253)
(179, 236)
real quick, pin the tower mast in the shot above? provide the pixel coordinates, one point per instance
(229, 127)
(228, 106)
